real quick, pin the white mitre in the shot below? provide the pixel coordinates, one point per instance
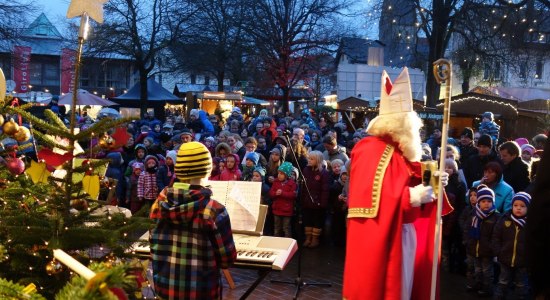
(397, 97)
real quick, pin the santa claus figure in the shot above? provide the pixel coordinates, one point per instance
(391, 219)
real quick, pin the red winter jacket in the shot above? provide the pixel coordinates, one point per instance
(283, 205)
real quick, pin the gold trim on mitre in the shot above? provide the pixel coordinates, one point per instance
(399, 99)
(372, 212)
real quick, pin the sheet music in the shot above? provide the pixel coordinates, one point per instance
(242, 201)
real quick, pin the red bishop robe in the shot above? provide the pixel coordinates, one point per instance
(379, 204)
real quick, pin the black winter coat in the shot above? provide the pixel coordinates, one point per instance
(516, 174)
(473, 167)
(509, 242)
(482, 247)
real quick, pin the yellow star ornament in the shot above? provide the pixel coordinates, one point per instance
(2, 86)
(38, 172)
(90, 185)
(94, 9)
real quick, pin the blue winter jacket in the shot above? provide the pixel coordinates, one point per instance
(503, 195)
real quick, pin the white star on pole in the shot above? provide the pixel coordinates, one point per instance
(94, 9)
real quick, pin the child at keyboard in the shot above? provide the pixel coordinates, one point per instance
(283, 195)
(192, 240)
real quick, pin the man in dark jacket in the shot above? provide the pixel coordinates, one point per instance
(516, 171)
(473, 167)
(467, 147)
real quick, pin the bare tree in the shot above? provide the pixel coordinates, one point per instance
(214, 44)
(140, 29)
(480, 24)
(13, 13)
(285, 32)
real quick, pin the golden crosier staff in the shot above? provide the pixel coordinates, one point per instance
(85, 9)
(442, 69)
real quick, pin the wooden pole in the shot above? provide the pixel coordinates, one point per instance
(82, 33)
(442, 70)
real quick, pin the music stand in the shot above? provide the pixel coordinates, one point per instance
(299, 281)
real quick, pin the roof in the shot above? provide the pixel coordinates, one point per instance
(188, 87)
(277, 94)
(253, 101)
(155, 92)
(42, 27)
(472, 103)
(521, 94)
(357, 49)
(353, 104)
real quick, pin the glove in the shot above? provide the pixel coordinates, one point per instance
(444, 177)
(421, 194)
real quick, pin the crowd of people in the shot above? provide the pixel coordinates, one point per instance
(303, 165)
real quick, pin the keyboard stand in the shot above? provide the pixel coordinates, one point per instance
(262, 273)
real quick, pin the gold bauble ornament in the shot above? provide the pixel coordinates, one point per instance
(23, 134)
(106, 142)
(2, 118)
(10, 127)
(54, 267)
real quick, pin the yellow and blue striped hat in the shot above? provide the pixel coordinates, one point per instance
(193, 161)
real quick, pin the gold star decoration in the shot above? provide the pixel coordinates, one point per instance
(38, 172)
(94, 9)
(2, 86)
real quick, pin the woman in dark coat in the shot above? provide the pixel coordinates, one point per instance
(316, 178)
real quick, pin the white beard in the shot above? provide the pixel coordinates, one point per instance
(403, 129)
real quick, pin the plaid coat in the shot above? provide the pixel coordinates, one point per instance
(191, 242)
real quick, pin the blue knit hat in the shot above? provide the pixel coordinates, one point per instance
(522, 196)
(286, 168)
(253, 156)
(485, 193)
(260, 171)
(489, 115)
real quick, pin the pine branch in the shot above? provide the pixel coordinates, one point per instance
(10, 290)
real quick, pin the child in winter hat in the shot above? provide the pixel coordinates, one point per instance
(193, 161)
(251, 160)
(488, 125)
(509, 244)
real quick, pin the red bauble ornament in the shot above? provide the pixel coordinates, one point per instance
(15, 165)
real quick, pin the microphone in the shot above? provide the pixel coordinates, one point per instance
(287, 132)
(426, 177)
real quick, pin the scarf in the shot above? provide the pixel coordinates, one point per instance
(480, 215)
(520, 221)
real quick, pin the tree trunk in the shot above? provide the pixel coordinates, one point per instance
(465, 85)
(221, 75)
(285, 99)
(143, 100)
(437, 49)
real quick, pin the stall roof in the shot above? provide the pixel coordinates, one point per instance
(155, 92)
(220, 96)
(253, 101)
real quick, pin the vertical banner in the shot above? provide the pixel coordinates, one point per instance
(68, 58)
(21, 68)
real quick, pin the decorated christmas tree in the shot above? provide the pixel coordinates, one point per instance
(49, 191)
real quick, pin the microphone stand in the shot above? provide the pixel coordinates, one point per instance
(299, 281)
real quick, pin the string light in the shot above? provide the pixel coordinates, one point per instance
(474, 98)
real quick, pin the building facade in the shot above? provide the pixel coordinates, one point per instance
(42, 60)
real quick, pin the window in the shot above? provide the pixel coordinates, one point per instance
(486, 71)
(84, 77)
(193, 79)
(539, 70)
(51, 74)
(523, 70)
(36, 73)
(496, 70)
